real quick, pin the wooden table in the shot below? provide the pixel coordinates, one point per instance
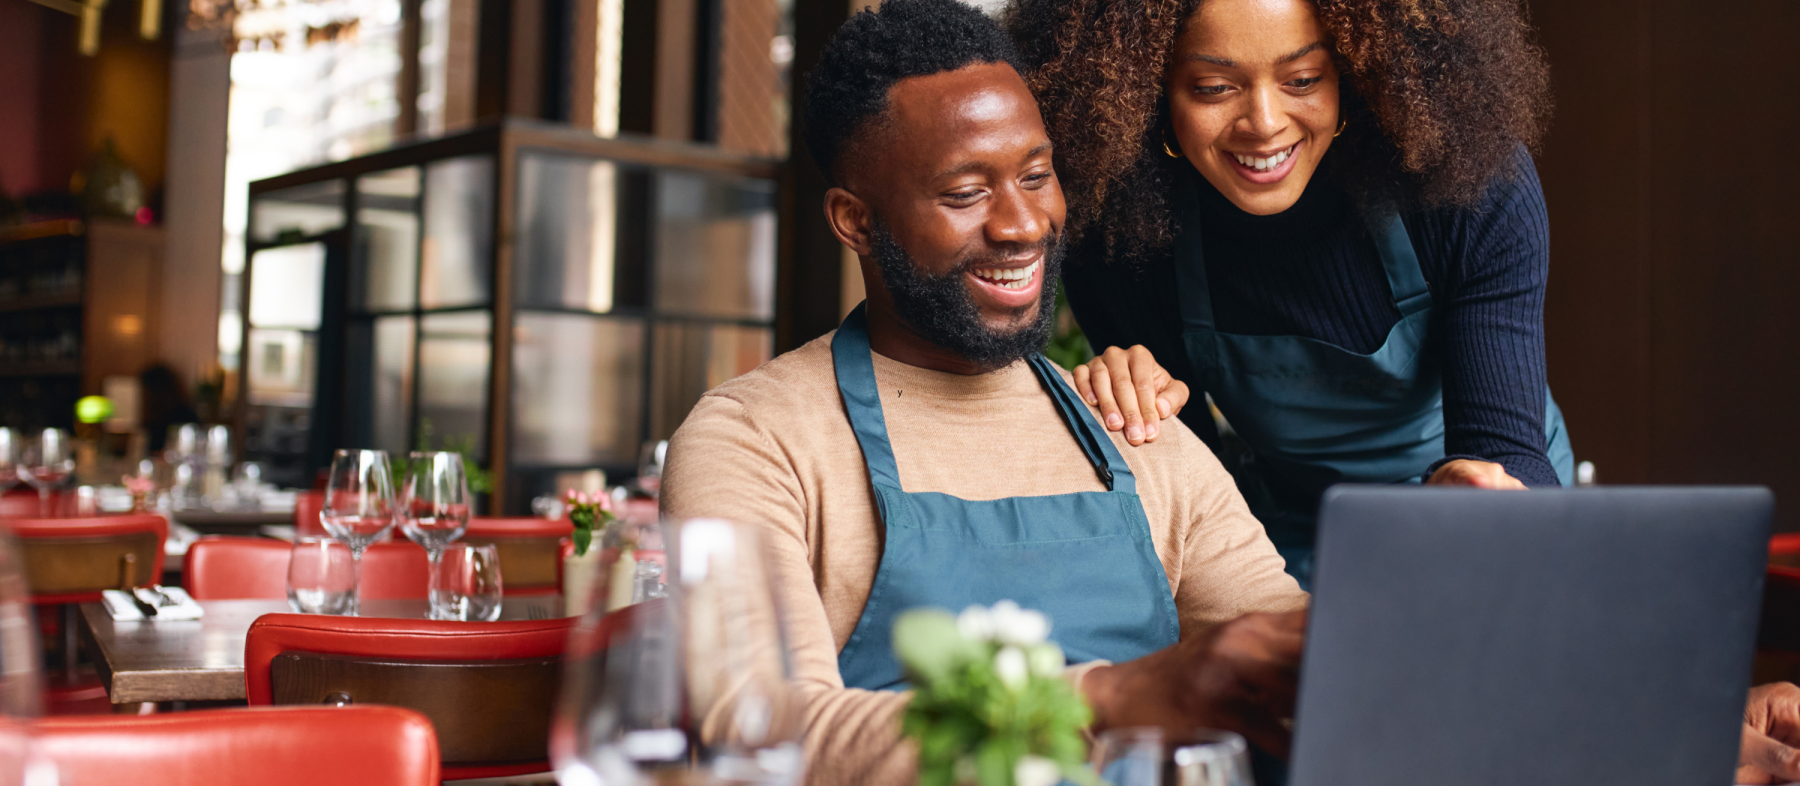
(231, 522)
(203, 659)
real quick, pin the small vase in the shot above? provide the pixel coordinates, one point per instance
(580, 573)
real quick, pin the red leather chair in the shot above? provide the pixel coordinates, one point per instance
(268, 746)
(70, 561)
(307, 505)
(530, 560)
(23, 503)
(227, 568)
(73, 560)
(489, 688)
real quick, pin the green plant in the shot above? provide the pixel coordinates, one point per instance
(990, 705)
(1068, 345)
(588, 512)
(481, 481)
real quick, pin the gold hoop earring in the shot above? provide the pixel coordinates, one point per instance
(1165, 143)
(1341, 124)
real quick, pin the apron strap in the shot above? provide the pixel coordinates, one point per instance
(862, 398)
(1398, 259)
(1098, 447)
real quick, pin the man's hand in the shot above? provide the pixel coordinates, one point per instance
(1239, 676)
(1771, 730)
(1478, 474)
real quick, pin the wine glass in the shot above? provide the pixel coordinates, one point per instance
(650, 467)
(359, 504)
(9, 458)
(21, 686)
(46, 464)
(435, 511)
(692, 688)
(1150, 756)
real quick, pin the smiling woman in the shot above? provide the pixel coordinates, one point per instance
(1321, 214)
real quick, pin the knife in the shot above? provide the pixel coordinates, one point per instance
(137, 597)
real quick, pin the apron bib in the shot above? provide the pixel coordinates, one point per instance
(1316, 414)
(1084, 559)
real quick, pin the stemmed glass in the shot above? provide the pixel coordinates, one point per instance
(47, 463)
(359, 504)
(435, 512)
(692, 688)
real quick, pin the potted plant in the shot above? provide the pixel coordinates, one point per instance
(990, 705)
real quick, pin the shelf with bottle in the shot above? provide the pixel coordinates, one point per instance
(41, 272)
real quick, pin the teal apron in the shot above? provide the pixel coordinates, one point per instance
(1314, 414)
(1083, 559)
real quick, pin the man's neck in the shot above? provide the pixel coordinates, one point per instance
(893, 338)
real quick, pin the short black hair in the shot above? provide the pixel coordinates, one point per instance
(876, 49)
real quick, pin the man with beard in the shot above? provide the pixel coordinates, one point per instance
(925, 454)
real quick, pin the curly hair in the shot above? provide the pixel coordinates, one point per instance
(875, 49)
(1438, 95)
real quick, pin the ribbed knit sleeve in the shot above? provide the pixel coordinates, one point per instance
(1492, 263)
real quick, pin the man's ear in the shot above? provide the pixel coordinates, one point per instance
(851, 220)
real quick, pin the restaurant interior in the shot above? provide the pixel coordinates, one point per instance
(263, 262)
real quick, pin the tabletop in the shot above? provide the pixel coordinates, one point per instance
(203, 659)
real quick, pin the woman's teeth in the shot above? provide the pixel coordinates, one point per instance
(1013, 278)
(1265, 164)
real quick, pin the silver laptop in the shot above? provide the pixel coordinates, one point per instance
(1546, 638)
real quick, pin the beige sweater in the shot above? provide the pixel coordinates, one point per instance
(774, 448)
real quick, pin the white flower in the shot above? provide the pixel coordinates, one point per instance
(975, 624)
(1010, 666)
(1036, 771)
(1021, 627)
(1046, 660)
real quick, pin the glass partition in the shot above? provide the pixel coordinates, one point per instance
(281, 355)
(640, 275)
(298, 212)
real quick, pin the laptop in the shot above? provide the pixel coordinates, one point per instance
(1548, 638)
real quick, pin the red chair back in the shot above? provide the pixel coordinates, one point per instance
(489, 688)
(307, 505)
(268, 746)
(73, 560)
(227, 568)
(530, 561)
(23, 503)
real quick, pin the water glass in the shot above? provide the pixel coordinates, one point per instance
(358, 507)
(435, 510)
(322, 578)
(692, 688)
(10, 443)
(466, 582)
(1150, 756)
(46, 464)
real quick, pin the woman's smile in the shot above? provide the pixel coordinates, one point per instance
(1264, 168)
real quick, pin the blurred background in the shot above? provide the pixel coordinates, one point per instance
(535, 231)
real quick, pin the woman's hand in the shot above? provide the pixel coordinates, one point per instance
(1131, 390)
(1479, 474)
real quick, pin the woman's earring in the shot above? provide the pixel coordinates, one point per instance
(1341, 124)
(1166, 147)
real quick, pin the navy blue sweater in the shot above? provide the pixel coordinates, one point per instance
(1312, 271)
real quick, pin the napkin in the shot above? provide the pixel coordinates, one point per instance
(120, 605)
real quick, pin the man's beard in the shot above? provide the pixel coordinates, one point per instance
(941, 309)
